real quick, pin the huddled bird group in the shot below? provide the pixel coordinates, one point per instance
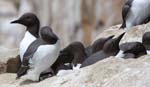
(41, 54)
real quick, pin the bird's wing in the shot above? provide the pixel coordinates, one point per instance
(31, 50)
(125, 12)
(94, 58)
(27, 56)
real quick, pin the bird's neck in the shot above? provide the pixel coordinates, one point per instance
(112, 49)
(34, 30)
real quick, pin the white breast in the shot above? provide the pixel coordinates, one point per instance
(26, 41)
(138, 12)
(148, 51)
(120, 54)
(64, 72)
(44, 57)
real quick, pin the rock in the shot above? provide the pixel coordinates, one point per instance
(107, 13)
(134, 34)
(114, 30)
(13, 65)
(6, 54)
(7, 78)
(2, 67)
(110, 72)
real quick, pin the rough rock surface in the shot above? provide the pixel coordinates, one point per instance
(133, 34)
(6, 54)
(2, 67)
(110, 72)
(13, 65)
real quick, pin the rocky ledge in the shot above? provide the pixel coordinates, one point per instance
(110, 72)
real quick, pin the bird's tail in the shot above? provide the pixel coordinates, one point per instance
(22, 71)
(123, 25)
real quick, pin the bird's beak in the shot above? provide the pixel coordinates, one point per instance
(120, 37)
(15, 21)
(110, 37)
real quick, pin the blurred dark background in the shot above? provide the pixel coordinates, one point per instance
(71, 20)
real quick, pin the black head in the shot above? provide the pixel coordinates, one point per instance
(135, 48)
(31, 21)
(73, 47)
(77, 50)
(48, 35)
(28, 20)
(98, 44)
(112, 45)
(64, 57)
(146, 40)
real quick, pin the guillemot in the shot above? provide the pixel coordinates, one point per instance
(40, 55)
(146, 41)
(135, 12)
(97, 45)
(71, 57)
(111, 48)
(131, 50)
(32, 23)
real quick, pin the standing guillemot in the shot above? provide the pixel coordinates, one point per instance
(32, 23)
(111, 48)
(70, 57)
(135, 12)
(40, 55)
(146, 41)
(131, 50)
(97, 45)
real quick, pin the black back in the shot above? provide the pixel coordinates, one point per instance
(135, 48)
(111, 48)
(60, 62)
(146, 40)
(97, 45)
(73, 54)
(112, 45)
(100, 55)
(88, 50)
